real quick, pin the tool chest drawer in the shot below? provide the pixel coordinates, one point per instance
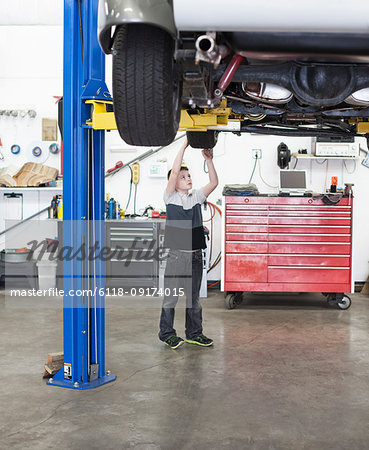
(309, 229)
(275, 202)
(133, 244)
(309, 260)
(128, 235)
(249, 228)
(288, 243)
(308, 275)
(239, 217)
(334, 248)
(230, 237)
(315, 220)
(237, 228)
(253, 268)
(246, 247)
(308, 237)
(309, 212)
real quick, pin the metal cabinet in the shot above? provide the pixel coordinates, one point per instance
(136, 262)
(132, 248)
(287, 244)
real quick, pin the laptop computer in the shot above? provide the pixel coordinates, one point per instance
(292, 182)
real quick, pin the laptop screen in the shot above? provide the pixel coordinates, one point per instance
(292, 179)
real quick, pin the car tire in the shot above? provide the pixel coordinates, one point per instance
(146, 87)
(202, 139)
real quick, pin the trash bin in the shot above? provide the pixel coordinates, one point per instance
(46, 274)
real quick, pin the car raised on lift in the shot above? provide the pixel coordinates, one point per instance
(282, 69)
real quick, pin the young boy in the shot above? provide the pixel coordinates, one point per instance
(184, 236)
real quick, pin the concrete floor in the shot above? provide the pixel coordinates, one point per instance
(286, 372)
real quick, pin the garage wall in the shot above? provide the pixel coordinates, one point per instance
(31, 74)
(234, 163)
(31, 46)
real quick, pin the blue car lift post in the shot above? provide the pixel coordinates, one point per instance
(83, 201)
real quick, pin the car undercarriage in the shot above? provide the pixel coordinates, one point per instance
(289, 83)
(305, 94)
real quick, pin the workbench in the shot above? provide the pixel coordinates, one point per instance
(287, 244)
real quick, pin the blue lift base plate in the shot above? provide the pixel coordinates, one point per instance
(82, 386)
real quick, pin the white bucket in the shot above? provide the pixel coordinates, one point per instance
(46, 274)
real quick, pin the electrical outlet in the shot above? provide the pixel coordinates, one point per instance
(135, 173)
(256, 153)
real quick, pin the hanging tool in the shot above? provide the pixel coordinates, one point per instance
(118, 165)
(54, 148)
(283, 156)
(15, 149)
(36, 151)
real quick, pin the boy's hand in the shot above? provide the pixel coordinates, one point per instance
(207, 153)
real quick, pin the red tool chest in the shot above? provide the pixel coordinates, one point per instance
(287, 244)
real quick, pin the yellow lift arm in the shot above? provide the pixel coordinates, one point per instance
(101, 119)
(362, 124)
(210, 119)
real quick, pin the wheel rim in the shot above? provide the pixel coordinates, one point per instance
(344, 303)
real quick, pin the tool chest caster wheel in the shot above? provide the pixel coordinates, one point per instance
(345, 303)
(342, 301)
(232, 299)
(238, 298)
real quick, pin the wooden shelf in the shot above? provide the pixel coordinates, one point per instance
(22, 188)
(311, 156)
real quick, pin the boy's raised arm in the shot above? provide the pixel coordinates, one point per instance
(213, 177)
(171, 186)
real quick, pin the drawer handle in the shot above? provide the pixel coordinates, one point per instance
(247, 200)
(310, 201)
(132, 260)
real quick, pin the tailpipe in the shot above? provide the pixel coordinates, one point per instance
(209, 51)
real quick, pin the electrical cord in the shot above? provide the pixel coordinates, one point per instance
(134, 204)
(210, 285)
(326, 176)
(216, 262)
(212, 214)
(350, 173)
(211, 234)
(262, 179)
(253, 170)
(321, 163)
(216, 207)
(294, 167)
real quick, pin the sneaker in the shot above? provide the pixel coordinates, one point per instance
(201, 340)
(174, 342)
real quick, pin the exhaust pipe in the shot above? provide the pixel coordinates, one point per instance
(205, 44)
(209, 51)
